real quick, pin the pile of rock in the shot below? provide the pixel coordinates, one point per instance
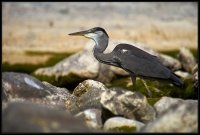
(92, 107)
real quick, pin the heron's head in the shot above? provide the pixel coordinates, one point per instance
(93, 33)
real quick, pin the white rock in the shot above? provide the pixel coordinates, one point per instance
(122, 124)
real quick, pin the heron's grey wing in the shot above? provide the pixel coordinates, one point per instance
(134, 51)
(144, 67)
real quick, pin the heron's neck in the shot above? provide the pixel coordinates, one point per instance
(101, 44)
(100, 47)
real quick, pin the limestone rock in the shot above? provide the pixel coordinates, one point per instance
(87, 85)
(121, 124)
(179, 118)
(129, 104)
(77, 67)
(23, 87)
(165, 103)
(61, 96)
(88, 94)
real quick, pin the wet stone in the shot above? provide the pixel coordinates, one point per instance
(121, 124)
(129, 104)
(34, 118)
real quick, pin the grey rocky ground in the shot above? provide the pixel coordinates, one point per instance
(92, 107)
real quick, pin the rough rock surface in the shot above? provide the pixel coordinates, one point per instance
(23, 87)
(43, 107)
(180, 117)
(88, 85)
(88, 94)
(165, 103)
(129, 104)
(61, 97)
(79, 66)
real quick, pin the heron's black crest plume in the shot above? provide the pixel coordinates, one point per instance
(93, 30)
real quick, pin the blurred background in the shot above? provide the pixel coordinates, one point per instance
(33, 32)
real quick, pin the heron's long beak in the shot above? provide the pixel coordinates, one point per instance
(80, 33)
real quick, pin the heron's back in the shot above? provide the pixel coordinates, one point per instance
(140, 62)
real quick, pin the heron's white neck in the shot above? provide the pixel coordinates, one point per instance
(101, 43)
(99, 48)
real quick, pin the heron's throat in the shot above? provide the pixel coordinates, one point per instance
(101, 44)
(99, 48)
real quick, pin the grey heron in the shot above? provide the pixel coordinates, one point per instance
(135, 61)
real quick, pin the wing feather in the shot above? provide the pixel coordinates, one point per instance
(135, 51)
(140, 62)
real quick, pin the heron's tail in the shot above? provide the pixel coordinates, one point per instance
(176, 81)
